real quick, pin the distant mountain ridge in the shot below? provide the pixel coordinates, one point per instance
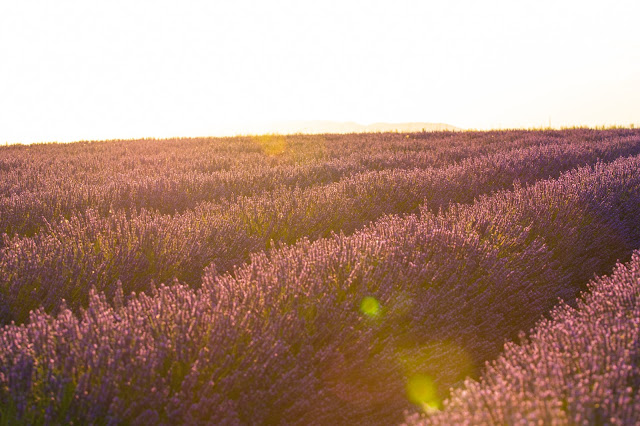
(326, 126)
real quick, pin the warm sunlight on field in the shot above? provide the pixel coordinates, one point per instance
(338, 212)
(322, 279)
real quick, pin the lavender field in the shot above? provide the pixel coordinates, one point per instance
(421, 278)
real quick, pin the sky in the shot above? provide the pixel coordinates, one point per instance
(73, 70)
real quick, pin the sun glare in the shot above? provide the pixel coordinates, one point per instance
(272, 144)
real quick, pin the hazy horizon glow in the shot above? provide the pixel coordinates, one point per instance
(83, 69)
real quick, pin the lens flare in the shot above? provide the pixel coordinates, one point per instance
(370, 307)
(422, 391)
(431, 368)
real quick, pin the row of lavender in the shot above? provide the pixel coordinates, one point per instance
(140, 247)
(347, 329)
(581, 366)
(53, 181)
(27, 168)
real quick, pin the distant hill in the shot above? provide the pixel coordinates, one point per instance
(324, 126)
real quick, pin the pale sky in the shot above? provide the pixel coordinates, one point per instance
(72, 70)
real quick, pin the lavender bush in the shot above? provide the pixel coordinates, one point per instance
(579, 366)
(140, 247)
(53, 181)
(351, 329)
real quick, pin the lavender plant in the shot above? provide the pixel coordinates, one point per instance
(350, 329)
(579, 366)
(139, 248)
(54, 181)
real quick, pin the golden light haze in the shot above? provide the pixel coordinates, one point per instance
(123, 69)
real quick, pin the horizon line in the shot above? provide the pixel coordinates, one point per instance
(452, 129)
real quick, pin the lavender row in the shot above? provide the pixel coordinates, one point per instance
(172, 191)
(49, 181)
(31, 168)
(580, 366)
(138, 248)
(28, 168)
(171, 182)
(347, 329)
